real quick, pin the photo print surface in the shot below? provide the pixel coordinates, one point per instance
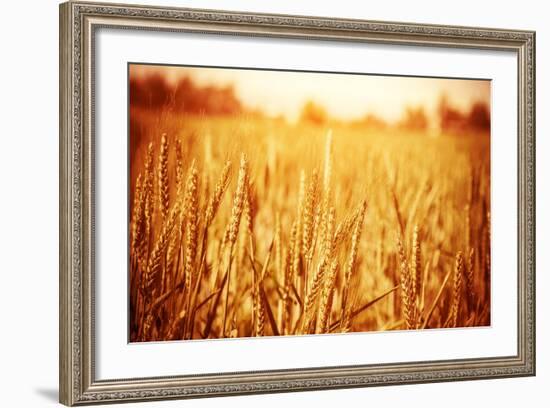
(275, 203)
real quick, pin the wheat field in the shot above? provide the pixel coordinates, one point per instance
(245, 226)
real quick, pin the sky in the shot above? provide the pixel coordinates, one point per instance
(344, 96)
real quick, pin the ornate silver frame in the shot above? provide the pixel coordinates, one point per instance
(78, 22)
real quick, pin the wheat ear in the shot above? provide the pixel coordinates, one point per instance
(457, 289)
(470, 284)
(299, 230)
(219, 191)
(352, 260)
(327, 298)
(287, 279)
(148, 204)
(308, 217)
(154, 266)
(137, 216)
(416, 264)
(233, 229)
(162, 177)
(190, 210)
(407, 288)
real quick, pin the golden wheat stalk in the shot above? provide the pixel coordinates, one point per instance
(298, 240)
(219, 191)
(180, 171)
(308, 214)
(279, 261)
(470, 283)
(352, 259)
(152, 275)
(312, 295)
(319, 278)
(301, 201)
(249, 214)
(238, 200)
(148, 204)
(210, 212)
(468, 226)
(260, 320)
(457, 289)
(172, 253)
(329, 244)
(407, 288)
(327, 298)
(162, 177)
(137, 216)
(398, 215)
(233, 229)
(327, 192)
(416, 265)
(346, 320)
(190, 210)
(287, 280)
(345, 227)
(327, 173)
(249, 209)
(258, 309)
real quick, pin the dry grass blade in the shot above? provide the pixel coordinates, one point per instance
(297, 296)
(271, 317)
(394, 325)
(366, 306)
(259, 305)
(436, 300)
(207, 299)
(212, 314)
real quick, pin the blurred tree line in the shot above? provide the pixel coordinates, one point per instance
(447, 118)
(155, 92)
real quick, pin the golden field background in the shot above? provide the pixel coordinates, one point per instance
(243, 225)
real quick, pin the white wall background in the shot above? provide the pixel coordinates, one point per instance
(29, 194)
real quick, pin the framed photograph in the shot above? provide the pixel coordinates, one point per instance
(256, 203)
